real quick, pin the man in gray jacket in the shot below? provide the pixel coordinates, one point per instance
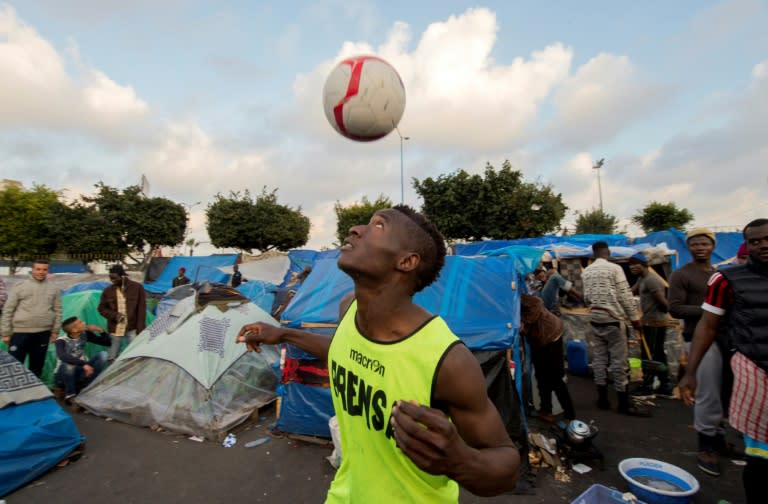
(32, 317)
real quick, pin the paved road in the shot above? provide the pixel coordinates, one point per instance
(127, 464)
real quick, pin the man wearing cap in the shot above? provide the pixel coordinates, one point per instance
(124, 305)
(610, 302)
(687, 288)
(653, 302)
(181, 278)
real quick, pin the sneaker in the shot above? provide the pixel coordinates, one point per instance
(707, 462)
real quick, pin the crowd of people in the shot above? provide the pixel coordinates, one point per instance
(411, 402)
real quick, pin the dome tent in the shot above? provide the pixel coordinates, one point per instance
(186, 373)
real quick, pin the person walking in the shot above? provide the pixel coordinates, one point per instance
(610, 302)
(32, 318)
(687, 289)
(739, 295)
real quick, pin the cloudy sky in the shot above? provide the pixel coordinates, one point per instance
(208, 97)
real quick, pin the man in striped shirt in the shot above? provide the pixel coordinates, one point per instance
(740, 296)
(610, 302)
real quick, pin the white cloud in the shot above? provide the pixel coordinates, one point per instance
(37, 91)
(602, 97)
(456, 94)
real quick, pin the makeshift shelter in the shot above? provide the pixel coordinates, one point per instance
(199, 269)
(269, 267)
(725, 248)
(186, 373)
(36, 433)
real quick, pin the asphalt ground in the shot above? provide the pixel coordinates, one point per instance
(128, 464)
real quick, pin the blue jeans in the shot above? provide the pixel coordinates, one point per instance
(71, 376)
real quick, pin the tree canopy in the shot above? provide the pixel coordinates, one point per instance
(25, 225)
(499, 205)
(595, 221)
(246, 223)
(357, 213)
(660, 216)
(132, 225)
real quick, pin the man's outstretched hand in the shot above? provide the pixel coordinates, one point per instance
(427, 437)
(258, 333)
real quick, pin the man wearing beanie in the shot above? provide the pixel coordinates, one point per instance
(653, 301)
(738, 295)
(687, 288)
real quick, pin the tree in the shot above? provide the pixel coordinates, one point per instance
(357, 213)
(660, 216)
(595, 221)
(25, 223)
(246, 223)
(138, 224)
(500, 205)
(84, 233)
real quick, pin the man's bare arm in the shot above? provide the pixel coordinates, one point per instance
(254, 335)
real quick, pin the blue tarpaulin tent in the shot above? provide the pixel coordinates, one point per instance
(725, 249)
(35, 433)
(199, 268)
(582, 240)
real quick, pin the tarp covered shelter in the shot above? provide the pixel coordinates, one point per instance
(725, 248)
(581, 240)
(186, 373)
(35, 433)
(199, 269)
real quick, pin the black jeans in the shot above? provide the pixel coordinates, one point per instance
(654, 337)
(34, 345)
(548, 362)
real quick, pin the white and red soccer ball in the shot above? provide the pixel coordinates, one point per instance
(364, 98)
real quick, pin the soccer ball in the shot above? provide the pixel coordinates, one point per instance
(364, 98)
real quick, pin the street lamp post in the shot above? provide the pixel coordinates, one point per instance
(597, 167)
(402, 180)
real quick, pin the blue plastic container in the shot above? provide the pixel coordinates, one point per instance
(658, 482)
(599, 494)
(577, 356)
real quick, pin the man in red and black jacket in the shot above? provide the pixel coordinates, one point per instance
(739, 296)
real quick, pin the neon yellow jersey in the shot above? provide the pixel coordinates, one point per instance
(366, 379)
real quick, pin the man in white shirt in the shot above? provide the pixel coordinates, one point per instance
(610, 302)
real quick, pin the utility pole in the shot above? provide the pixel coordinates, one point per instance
(597, 167)
(402, 181)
